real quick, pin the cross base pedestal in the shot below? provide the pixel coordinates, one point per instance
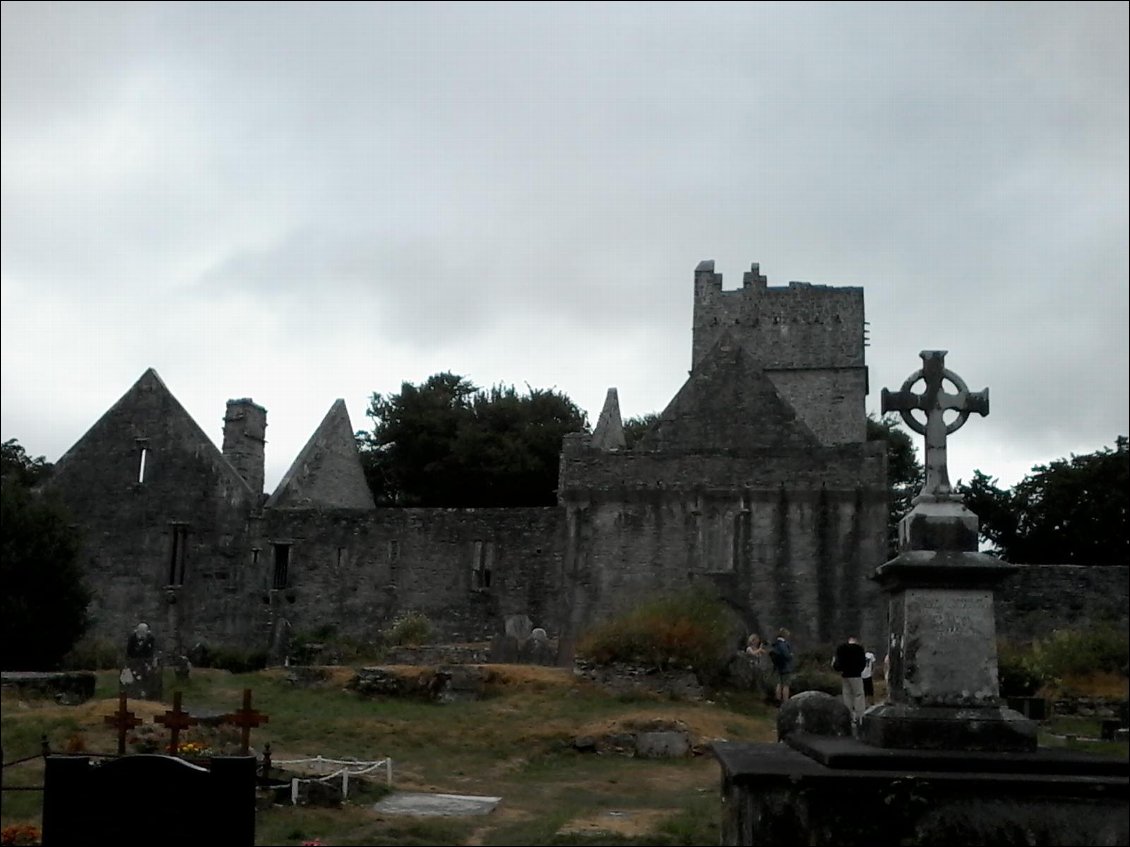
(987, 728)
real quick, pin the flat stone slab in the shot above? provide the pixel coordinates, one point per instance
(849, 753)
(436, 805)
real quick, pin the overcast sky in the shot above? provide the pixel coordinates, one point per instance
(300, 202)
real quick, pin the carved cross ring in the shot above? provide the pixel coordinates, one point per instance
(963, 402)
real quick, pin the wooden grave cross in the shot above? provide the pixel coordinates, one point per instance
(123, 721)
(246, 719)
(174, 720)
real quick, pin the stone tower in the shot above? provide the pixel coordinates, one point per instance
(809, 339)
(245, 436)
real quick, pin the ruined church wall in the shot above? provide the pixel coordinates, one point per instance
(357, 571)
(777, 545)
(1040, 598)
(809, 338)
(163, 546)
(832, 402)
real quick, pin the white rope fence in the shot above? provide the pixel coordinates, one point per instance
(344, 768)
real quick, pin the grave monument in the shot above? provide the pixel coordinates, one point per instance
(942, 761)
(141, 678)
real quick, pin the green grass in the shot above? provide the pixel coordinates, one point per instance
(516, 743)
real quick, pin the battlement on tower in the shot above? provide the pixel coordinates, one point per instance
(796, 326)
(809, 338)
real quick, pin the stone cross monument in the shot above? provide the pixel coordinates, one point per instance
(935, 402)
(943, 690)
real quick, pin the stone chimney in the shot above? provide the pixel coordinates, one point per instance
(245, 436)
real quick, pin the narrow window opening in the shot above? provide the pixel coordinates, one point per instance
(254, 555)
(482, 558)
(178, 549)
(282, 565)
(142, 458)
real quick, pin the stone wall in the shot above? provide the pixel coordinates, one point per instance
(164, 518)
(1040, 598)
(786, 540)
(466, 569)
(809, 338)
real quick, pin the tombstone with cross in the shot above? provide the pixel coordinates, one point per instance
(943, 689)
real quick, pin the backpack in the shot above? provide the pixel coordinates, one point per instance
(782, 655)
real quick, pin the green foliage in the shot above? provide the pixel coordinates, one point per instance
(43, 603)
(409, 629)
(687, 629)
(1025, 669)
(18, 467)
(636, 429)
(905, 475)
(1073, 511)
(1069, 652)
(449, 443)
(1019, 674)
(91, 654)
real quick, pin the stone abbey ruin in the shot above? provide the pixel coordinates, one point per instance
(757, 482)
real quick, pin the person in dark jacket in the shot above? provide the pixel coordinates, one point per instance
(850, 660)
(784, 663)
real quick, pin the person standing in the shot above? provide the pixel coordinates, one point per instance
(850, 660)
(868, 679)
(784, 663)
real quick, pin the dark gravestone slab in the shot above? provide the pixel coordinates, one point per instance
(148, 799)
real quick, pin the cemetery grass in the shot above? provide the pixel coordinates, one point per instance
(516, 743)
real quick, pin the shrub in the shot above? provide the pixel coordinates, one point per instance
(91, 654)
(1018, 672)
(409, 629)
(1071, 652)
(1025, 669)
(691, 629)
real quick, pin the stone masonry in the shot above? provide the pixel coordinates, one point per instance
(757, 482)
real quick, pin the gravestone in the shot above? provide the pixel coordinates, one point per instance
(538, 649)
(518, 626)
(149, 799)
(942, 685)
(141, 678)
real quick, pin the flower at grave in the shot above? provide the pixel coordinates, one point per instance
(18, 835)
(196, 749)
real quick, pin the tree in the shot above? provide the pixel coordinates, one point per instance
(43, 604)
(18, 466)
(1072, 511)
(636, 428)
(905, 475)
(449, 443)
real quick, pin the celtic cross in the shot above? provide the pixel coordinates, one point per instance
(935, 402)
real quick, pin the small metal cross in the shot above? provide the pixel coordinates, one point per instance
(123, 721)
(935, 402)
(246, 719)
(175, 720)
